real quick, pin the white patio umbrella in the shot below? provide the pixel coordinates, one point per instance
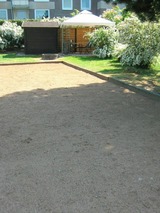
(85, 19)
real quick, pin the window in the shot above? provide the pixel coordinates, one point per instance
(85, 4)
(39, 14)
(3, 14)
(21, 14)
(67, 4)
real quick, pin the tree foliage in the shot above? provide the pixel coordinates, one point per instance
(114, 14)
(117, 14)
(145, 9)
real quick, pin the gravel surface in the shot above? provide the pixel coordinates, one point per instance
(72, 143)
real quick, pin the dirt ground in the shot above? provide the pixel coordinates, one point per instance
(72, 143)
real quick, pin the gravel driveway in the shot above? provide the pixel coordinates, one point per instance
(72, 143)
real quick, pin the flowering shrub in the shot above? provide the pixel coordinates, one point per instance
(118, 50)
(2, 44)
(103, 41)
(11, 35)
(102, 52)
(142, 40)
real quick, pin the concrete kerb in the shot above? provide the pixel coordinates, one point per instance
(142, 91)
(38, 62)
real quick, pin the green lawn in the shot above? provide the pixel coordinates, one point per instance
(110, 66)
(17, 58)
(147, 79)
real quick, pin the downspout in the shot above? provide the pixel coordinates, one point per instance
(12, 14)
(62, 38)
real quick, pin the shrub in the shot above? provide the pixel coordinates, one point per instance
(118, 50)
(143, 42)
(103, 41)
(1, 21)
(18, 22)
(2, 44)
(11, 35)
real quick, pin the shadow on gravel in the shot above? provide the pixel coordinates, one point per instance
(92, 148)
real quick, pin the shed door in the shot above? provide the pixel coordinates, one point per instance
(41, 40)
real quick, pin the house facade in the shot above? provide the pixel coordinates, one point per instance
(37, 9)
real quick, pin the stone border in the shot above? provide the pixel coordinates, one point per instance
(37, 62)
(133, 88)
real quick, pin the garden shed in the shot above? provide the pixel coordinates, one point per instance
(41, 37)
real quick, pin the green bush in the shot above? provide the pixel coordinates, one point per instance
(103, 41)
(1, 21)
(142, 40)
(118, 50)
(18, 22)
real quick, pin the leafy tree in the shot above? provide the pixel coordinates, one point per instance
(114, 14)
(117, 14)
(145, 9)
(75, 12)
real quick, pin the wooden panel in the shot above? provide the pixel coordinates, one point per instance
(81, 38)
(41, 40)
(76, 34)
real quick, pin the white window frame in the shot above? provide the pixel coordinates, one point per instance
(4, 10)
(67, 8)
(35, 11)
(41, 0)
(85, 8)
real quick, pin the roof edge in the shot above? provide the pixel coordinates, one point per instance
(40, 24)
